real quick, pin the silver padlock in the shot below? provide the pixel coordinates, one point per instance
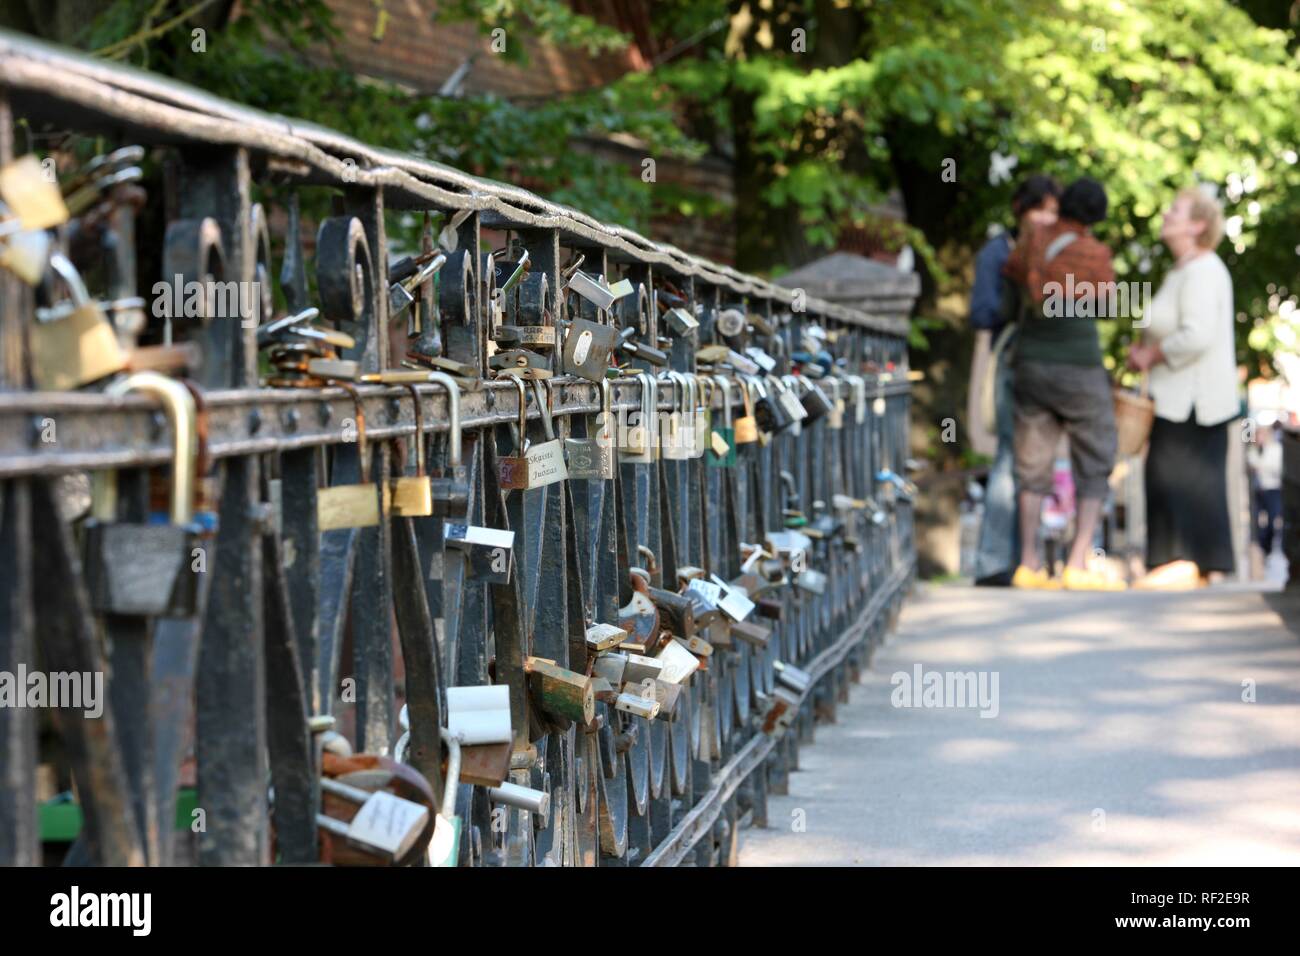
(638, 440)
(792, 677)
(592, 458)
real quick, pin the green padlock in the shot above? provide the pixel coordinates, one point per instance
(723, 434)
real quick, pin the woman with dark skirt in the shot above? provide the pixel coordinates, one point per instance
(1188, 350)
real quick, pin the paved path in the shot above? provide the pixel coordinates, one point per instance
(1121, 737)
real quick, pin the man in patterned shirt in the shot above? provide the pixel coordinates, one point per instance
(1060, 382)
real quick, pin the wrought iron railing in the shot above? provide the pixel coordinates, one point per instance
(257, 636)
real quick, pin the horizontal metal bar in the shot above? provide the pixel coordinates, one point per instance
(693, 827)
(90, 430)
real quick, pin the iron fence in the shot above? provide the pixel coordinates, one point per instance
(323, 597)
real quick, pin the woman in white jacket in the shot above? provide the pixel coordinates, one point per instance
(1189, 350)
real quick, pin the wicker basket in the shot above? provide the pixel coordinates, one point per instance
(1134, 415)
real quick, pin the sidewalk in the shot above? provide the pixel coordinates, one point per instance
(1121, 737)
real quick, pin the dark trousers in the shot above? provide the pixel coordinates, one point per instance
(1268, 513)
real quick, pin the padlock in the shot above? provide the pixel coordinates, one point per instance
(752, 633)
(411, 496)
(33, 198)
(560, 692)
(637, 441)
(746, 426)
(479, 714)
(25, 254)
(73, 344)
(444, 847)
(734, 600)
(587, 349)
(700, 416)
(546, 458)
(673, 440)
(722, 436)
(595, 291)
(640, 667)
(835, 420)
(785, 392)
(351, 506)
(666, 695)
(765, 362)
(512, 470)
(520, 363)
(676, 611)
(640, 615)
(677, 663)
(148, 569)
(451, 491)
(771, 416)
(610, 667)
(604, 637)
(814, 401)
(680, 322)
(814, 582)
(386, 826)
(592, 458)
(697, 646)
(489, 552)
(532, 337)
(792, 677)
(637, 706)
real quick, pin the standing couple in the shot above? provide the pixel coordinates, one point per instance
(1042, 360)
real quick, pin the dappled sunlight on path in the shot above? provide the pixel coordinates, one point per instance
(1119, 735)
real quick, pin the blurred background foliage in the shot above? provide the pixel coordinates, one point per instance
(826, 109)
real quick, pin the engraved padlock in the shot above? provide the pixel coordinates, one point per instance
(592, 458)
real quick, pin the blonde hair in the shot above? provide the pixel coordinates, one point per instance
(1204, 208)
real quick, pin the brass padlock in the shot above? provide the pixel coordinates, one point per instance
(746, 426)
(351, 506)
(560, 692)
(411, 496)
(722, 438)
(73, 344)
(33, 197)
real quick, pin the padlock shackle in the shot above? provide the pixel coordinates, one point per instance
(453, 413)
(71, 277)
(544, 406)
(178, 406)
(363, 444)
(419, 430)
(724, 384)
(452, 743)
(521, 443)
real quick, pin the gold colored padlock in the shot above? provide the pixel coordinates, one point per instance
(351, 506)
(746, 425)
(31, 195)
(73, 343)
(411, 496)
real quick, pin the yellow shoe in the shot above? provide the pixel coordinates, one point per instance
(1031, 580)
(1081, 579)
